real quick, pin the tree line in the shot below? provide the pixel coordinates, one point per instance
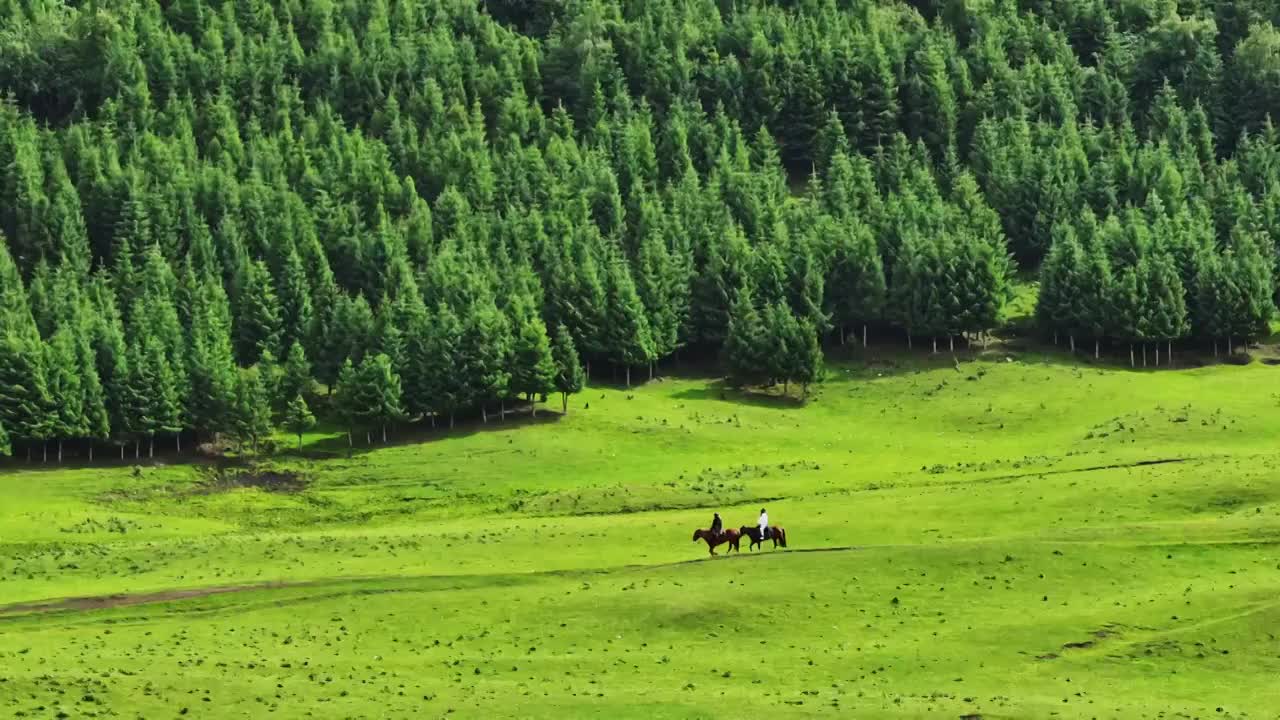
(218, 216)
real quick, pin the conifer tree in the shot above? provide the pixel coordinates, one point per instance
(628, 338)
(379, 394)
(257, 315)
(295, 378)
(855, 288)
(806, 354)
(747, 342)
(1058, 305)
(298, 418)
(213, 374)
(347, 398)
(570, 378)
(251, 414)
(64, 378)
(445, 389)
(534, 369)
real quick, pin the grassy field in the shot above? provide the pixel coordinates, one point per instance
(1004, 537)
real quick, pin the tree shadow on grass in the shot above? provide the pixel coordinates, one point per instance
(421, 433)
(330, 447)
(720, 391)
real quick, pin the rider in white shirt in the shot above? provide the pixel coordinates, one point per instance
(764, 523)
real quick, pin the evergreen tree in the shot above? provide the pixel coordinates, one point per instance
(347, 398)
(1058, 306)
(569, 378)
(806, 356)
(534, 370)
(445, 388)
(747, 343)
(298, 418)
(295, 378)
(1164, 306)
(379, 394)
(62, 361)
(628, 339)
(855, 287)
(251, 413)
(213, 374)
(257, 316)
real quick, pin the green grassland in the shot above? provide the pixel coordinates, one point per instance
(998, 537)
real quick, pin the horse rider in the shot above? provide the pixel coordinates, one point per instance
(717, 526)
(764, 524)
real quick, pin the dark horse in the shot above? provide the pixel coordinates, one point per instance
(728, 535)
(777, 534)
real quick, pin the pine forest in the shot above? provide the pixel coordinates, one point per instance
(219, 219)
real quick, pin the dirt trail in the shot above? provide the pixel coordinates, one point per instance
(106, 602)
(102, 602)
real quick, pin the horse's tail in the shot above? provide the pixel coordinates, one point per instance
(782, 537)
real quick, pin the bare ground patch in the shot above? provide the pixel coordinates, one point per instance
(269, 480)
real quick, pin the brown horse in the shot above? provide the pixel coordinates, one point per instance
(777, 534)
(728, 535)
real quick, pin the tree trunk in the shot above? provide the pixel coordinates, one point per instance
(121, 452)
(484, 414)
(864, 336)
(1215, 348)
(1157, 354)
(1073, 343)
(564, 403)
(1230, 350)
(368, 438)
(908, 339)
(502, 410)
(1131, 363)
(935, 346)
(841, 336)
(1144, 354)
(533, 406)
(628, 376)
(786, 387)
(1055, 337)
(151, 447)
(299, 442)
(350, 440)
(1169, 355)
(433, 421)
(44, 451)
(59, 451)
(951, 342)
(384, 434)
(651, 364)
(450, 419)
(90, 451)
(178, 438)
(1096, 350)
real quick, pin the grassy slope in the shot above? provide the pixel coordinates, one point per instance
(978, 518)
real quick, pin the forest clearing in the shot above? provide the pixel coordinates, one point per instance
(1007, 537)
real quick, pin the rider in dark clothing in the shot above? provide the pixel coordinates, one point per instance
(717, 526)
